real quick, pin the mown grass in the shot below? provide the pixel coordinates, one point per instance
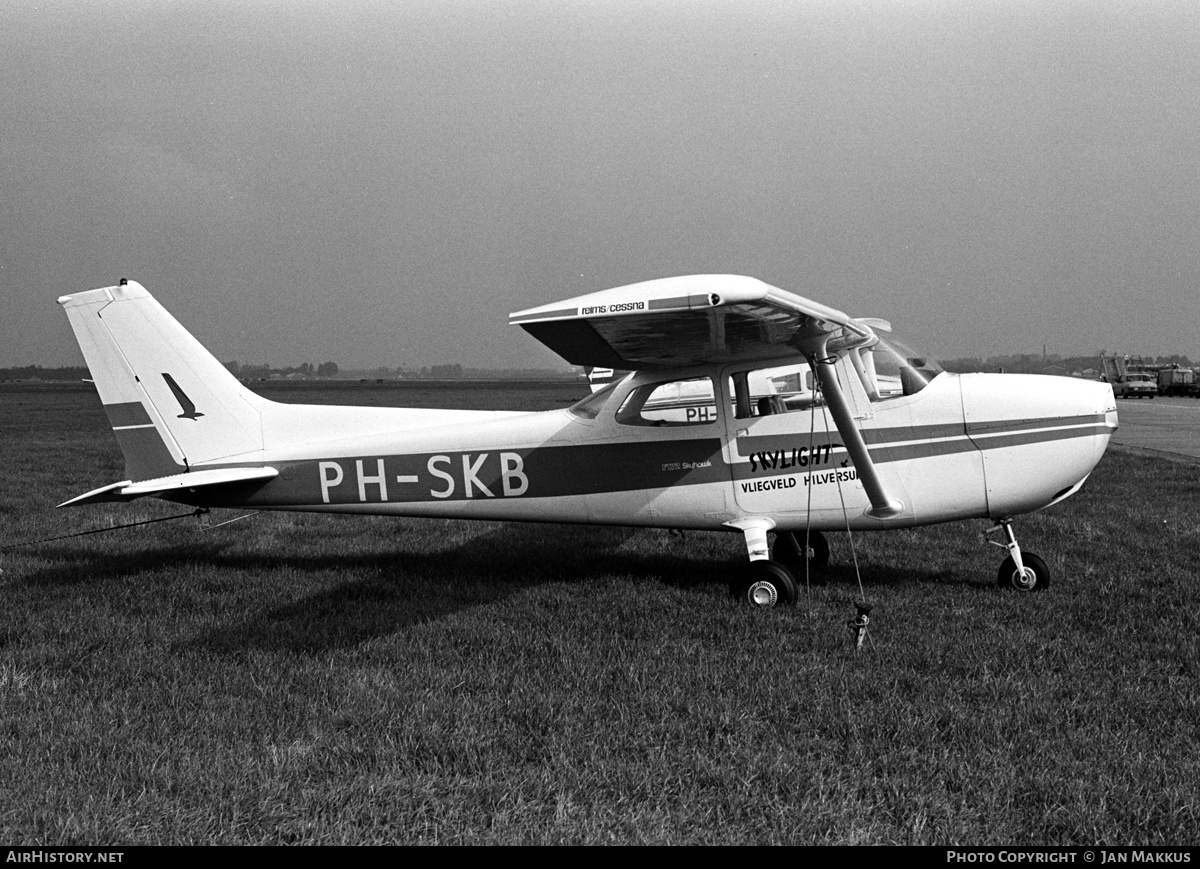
(296, 678)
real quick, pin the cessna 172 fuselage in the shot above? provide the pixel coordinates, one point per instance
(748, 409)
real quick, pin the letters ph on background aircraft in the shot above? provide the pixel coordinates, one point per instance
(747, 409)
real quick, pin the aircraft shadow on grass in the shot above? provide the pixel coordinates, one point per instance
(395, 590)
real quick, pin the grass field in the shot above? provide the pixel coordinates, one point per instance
(295, 678)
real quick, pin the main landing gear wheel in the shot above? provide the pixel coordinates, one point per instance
(1035, 578)
(788, 549)
(765, 584)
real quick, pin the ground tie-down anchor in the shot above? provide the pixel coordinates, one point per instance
(858, 624)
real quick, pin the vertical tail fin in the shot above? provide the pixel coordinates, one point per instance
(170, 402)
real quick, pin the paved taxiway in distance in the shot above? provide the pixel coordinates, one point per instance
(1164, 425)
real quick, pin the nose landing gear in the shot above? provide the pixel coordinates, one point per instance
(1021, 571)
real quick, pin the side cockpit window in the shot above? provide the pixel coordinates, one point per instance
(673, 403)
(769, 391)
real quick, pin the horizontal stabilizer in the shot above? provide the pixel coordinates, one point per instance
(127, 490)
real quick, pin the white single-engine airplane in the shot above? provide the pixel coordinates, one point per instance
(748, 408)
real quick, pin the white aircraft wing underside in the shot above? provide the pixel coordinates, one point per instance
(684, 321)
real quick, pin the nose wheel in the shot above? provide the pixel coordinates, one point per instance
(1021, 571)
(1032, 576)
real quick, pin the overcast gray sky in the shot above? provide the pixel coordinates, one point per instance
(381, 183)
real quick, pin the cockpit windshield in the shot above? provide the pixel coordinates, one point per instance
(892, 369)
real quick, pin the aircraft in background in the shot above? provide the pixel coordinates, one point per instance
(746, 408)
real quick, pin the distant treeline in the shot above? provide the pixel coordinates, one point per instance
(325, 371)
(1025, 363)
(331, 370)
(37, 372)
(265, 372)
(1035, 363)
(457, 372)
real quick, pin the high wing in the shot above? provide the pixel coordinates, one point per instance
(705, 319)
(690, 320)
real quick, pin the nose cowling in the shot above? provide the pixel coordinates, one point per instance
(1040, 436)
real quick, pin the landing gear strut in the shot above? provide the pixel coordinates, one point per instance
(1021, 571)
(788, 550)
(765, 583)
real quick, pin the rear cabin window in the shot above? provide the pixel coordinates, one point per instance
(589, 408)
(674, 403)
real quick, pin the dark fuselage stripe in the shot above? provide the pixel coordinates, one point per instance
(767, 462)
(899, 436)
(1011, 425)
(1020, 439)
(544, 472)
(572, 470)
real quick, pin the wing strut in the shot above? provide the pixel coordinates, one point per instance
(882, 506)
